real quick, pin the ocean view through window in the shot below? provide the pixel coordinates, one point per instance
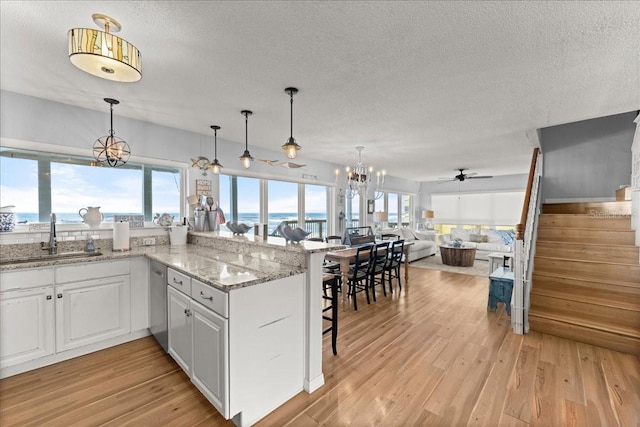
(39, 183)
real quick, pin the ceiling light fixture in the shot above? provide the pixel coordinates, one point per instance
(291, 148)
(103, 54)
(110, 149)
(215, 166)
(246, 158)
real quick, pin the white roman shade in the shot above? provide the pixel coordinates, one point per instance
(494, 208)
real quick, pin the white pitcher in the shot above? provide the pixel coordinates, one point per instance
(92, 216)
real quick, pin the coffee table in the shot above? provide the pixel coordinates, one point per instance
(457, 256)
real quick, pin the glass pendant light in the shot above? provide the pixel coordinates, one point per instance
(246, 158)
(215, 165)
(110, 149)
(291, 148)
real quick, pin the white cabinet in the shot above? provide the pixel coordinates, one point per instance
(45, 312)
(179, 326)
(26, 325)
(209, 368)
(198, 336)
(91, 311)
(26, 315)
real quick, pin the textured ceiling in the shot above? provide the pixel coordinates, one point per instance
(426, 87)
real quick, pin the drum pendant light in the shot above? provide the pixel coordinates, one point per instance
(246, 158)
(103, 54)
(291, 148)
(215, 166)
(110, 149)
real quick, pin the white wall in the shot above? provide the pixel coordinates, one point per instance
(38, 120)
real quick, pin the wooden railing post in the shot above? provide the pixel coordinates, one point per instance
(527, 196)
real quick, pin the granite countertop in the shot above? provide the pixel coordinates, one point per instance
(304, 246)
(220, 269)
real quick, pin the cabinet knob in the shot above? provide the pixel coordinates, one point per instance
(49, 297)
(59, 295)
(187, 312)
(203, 296)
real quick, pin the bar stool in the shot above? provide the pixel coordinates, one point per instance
(332, 281)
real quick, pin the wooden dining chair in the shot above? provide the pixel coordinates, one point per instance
(359, 274)
(395, 259)
(379, 260)
(330, 312)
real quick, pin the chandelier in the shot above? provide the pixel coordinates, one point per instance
(103, 54)
(359, 177)
(110, 149)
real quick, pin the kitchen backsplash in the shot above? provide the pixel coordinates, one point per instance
(74, 233)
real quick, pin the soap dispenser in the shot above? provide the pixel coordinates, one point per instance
(90, 247)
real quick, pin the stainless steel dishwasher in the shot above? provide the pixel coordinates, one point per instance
(158, 303)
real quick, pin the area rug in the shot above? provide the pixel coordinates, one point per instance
(480, 267)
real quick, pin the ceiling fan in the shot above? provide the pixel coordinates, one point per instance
(464, 176)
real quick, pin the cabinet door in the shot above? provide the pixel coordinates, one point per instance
(26, 325)
(92, 311)
(179, 324)
(209, 371)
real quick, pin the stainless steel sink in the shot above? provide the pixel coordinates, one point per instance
(60, 256)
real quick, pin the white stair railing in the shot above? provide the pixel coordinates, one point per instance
(524, 251)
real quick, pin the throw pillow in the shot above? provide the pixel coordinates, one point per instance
(407, 234)
(478, 238)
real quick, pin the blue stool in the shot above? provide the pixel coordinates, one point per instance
(500, 289)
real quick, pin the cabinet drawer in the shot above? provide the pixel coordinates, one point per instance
(179, 281)
(91, 270)
(210, 297)
(25, 279)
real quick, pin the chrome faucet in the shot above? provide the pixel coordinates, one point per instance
(53, 247)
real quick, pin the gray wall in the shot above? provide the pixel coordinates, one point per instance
(587, 160)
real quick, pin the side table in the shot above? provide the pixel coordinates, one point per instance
(500, 289)
(496, 259)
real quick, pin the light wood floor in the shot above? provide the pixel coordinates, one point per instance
(431, 355)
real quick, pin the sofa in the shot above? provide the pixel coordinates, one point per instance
(485, 241)
(423, 245)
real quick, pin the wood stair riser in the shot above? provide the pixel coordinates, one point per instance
(587, 335)
(589, 252)
(613, 319)
(625, 297)
(627, 273)
(586, 235)
(584, 221)
(602, 209)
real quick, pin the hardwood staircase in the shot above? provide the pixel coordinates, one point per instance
(586, 278)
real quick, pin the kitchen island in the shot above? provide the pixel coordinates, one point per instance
(270, 315)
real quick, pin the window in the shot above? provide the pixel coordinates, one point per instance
(353, 211)
(392, 202)
(40, 183)
(241, 199)
(405, 208)
(492, 209)
(315, 210)
(282, 204)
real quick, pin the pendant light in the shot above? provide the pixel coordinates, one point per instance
(215, 166)
(110, 149)
(246, 158)
(103, 54)
(291, 148)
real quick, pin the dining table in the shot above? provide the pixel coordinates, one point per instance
(347, 256)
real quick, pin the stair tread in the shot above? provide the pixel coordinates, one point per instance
(615, 230)
(603, 281)
(589, 261)
(585, 322)
(601, 245)
(625, 302)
